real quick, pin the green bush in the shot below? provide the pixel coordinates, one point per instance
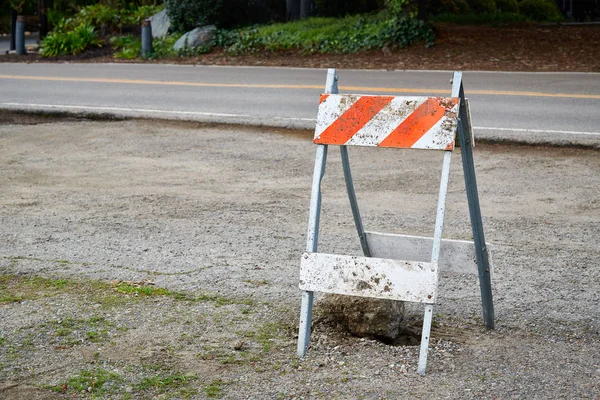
(71, 42)
(106, 19)
(186, 15)
(333, 35)
(128, 46)
(540, 10)
(507, 6)
(483, 6)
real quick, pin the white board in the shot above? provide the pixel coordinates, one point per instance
(456, 256)
(369, 277)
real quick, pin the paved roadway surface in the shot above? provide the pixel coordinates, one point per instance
(537, 107)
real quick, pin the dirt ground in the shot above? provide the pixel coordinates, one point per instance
(566, 48)
(154, 259)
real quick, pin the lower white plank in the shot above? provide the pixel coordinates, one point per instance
(369, 277)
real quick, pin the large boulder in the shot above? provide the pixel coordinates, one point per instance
(160, 24)
(364, 316)
(202, 36)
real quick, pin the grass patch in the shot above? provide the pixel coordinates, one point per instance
(163, 383)
(73, 331)
(16, 289)
(214, 390)
(141, 290)
(96, 381)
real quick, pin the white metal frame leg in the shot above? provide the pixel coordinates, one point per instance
(312, 240)
(425, 339)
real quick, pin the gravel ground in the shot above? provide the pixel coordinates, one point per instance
(154, 259)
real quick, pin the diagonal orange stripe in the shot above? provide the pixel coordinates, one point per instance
(415, 125)
(353, 119)
(323, 97)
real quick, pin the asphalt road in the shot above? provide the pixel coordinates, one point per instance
(538, 107)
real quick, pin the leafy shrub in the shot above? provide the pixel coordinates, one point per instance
(71, 42)
(105, 18)
(163, 47)
(483, 6)
(186, 15)
(507, 6)
(540, 10)
(331, 35)
(128, 46)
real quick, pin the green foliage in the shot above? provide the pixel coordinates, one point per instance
(94, 381)
(483, 6)
(69, 43)
(541, 10)
(128, 47)
(105, 18)
(396, 7)
(186, 15)
(162, 383)
(331, 35)
(507, 6)
(163, 47)
(214, 389)
(137, 290)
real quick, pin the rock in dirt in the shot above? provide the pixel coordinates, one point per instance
(364, 317)
(198, 37)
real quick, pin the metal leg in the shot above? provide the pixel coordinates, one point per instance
(425, 339)
(305, 323)
(466, 149)
(312, 240)
(353, 202)
(435, 256)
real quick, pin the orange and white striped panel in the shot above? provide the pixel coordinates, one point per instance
(387, 121)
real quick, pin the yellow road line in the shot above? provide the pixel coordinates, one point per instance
(289, 86)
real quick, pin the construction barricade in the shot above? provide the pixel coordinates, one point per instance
(395, 267)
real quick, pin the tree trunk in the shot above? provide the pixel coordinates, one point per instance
(43, 17)
(292, 10)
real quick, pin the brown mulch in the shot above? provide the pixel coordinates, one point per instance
(485, 48)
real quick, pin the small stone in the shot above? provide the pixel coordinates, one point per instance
(239, 345)
(128, 389)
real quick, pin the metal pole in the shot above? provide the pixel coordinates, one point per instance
(312, 237)
(312, 241)
(435, 257)
(20, 35)
(146, 38)
(353, 202)
(13, 29)
(466, 149)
